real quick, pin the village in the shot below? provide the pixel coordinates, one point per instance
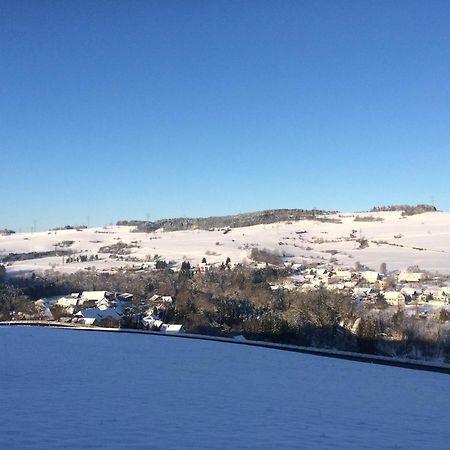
(93, 308)
(415, 291)
(402, 289)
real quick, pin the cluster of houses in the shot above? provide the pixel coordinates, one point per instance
(152, 321)
(397, 288)
(100, 307)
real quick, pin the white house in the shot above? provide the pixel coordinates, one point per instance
(371, 276)
(68, 302)
(410, 277)
(344, 275)
(94, 296)
(433, 295)
(394, 298)
(203, 267)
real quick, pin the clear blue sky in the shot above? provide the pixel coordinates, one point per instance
(122, 109)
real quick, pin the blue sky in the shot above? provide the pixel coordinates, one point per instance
(128, 109)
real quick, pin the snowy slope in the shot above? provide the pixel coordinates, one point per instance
(73, 389)
(422, 240)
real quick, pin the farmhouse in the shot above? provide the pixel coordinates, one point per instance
(92, 297)
(95, 315)
(394, 298)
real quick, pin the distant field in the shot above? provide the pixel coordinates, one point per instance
(399, 241)
(70, 389)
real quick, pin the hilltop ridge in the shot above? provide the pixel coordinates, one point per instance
(233, 221)
(263, 217)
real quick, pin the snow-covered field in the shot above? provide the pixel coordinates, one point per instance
(73, 389)
(422, 240)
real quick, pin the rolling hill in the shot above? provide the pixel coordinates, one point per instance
(389, 236)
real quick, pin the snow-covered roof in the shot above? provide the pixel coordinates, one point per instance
(66, 302)
(171, 328)
(370, 276)
(411, 277)
(392, 295)
(104, 303)
(94, 295)
(100, 314)
(343, 273)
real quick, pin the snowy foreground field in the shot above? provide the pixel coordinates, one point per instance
(77, 390)
(422, 240)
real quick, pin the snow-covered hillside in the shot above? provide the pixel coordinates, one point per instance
(422, 240)
(74, 389)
